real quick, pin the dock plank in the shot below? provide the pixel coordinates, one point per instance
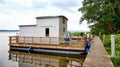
(97, 56)
(81, 47)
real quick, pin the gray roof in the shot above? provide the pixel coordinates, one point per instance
(27, 25)
(45, 17)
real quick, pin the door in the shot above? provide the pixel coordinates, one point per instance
(47, 32)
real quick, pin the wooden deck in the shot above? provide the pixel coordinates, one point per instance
(51, 46)
(75, 43)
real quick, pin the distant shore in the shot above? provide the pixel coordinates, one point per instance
(9, 30)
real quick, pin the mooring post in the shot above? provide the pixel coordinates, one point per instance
(113, 45)
(103, 38)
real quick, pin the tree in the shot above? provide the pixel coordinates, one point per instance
(104, 14)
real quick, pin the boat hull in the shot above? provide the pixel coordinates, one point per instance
(49, 50)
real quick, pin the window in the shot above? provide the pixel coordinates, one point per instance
(64, 29)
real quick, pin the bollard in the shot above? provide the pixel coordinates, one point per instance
(103, 38)
(113, 45)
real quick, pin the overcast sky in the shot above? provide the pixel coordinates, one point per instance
(23, 12)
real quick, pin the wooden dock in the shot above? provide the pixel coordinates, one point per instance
(50, 46)
(75, 42)
(97, 56)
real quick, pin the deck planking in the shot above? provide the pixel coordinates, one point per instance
(70, 47)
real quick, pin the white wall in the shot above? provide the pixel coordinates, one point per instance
(51, 23)
(61, 26)
(27, 31)
(39, 29)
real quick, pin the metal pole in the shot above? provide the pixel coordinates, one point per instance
(113, 45)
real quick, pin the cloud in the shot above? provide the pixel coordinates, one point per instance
(20, 12)
(66, 4)
(1, 2)
(38, 4)
(75, 26)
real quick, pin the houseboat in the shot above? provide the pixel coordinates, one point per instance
(49, 35)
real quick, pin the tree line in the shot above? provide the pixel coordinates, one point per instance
(103, 15)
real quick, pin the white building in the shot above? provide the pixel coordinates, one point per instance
(47, 26)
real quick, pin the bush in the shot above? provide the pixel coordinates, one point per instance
(116, 59)
(78, 33)
(75, 33)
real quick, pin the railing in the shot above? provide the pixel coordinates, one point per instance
(76, 40)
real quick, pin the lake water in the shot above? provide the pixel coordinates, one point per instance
(24, 59)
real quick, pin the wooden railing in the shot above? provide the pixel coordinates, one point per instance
(76, 40)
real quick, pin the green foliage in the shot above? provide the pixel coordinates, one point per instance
(77, 33)
(108, 44)
(104, 14)
(116, 59)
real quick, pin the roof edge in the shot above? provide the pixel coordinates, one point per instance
(45, 17)
(26, 25)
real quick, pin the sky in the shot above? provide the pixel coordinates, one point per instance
(23, 12)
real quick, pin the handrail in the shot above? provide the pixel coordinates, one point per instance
(73, 40)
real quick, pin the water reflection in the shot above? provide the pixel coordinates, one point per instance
(43, 60)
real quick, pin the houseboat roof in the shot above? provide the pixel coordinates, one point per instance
(27, 25)
(45, 17)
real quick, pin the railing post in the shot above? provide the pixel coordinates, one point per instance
(40, 40)
(70, 40)
(32, 40)
(16, 39)
(49, 40)
(24, 39)
(58, 39)
(80, 41)
(85, 38)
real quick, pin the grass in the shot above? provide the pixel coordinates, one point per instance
(116, 59)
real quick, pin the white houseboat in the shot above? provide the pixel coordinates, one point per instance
(48, 35)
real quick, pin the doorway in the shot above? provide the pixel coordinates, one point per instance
(47, 32)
